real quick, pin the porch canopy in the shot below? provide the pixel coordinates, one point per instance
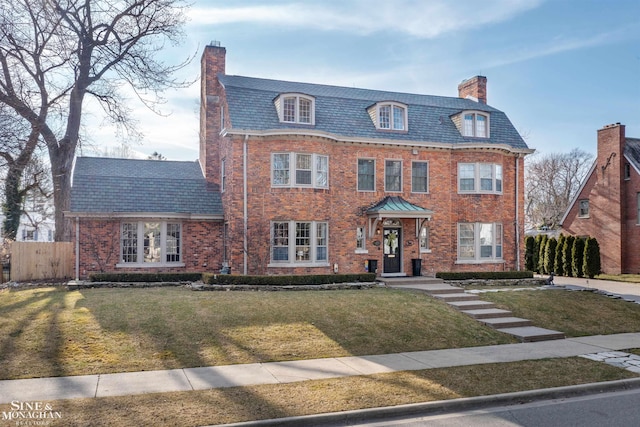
(396, 207)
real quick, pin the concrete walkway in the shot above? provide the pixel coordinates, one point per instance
(187, 379)
(624, 290)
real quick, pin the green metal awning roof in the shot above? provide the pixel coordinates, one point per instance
(397, 207)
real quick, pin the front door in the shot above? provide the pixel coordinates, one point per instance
(391, 246)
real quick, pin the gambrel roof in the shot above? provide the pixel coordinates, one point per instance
(341, 113)
(144, 187)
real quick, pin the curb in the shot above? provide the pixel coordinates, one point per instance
(443, 406)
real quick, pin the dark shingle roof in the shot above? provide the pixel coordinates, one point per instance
(342, 111)
(106, 185)
(632, 151)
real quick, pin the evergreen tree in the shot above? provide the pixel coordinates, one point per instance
(550, 255)
(529, 243)
(558, 266)
(591, 258)
(577, 257)
(567, 265)
(543, 247)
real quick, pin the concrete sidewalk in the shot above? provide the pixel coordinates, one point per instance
(622, 289)
(187, 379)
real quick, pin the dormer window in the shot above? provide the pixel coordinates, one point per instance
(475, 124)
(295, 108)
(389, 116)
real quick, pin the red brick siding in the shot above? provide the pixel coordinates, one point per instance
(100, 247)
(343, 206)
(612, 206)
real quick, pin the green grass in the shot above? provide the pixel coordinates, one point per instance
(574, 313)
(237, 404)
(52, 332)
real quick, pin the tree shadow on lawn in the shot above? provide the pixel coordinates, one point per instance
(174, 328)
(32, 337)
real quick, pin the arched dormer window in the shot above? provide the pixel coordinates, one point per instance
(389, 116)
(296, 108)
(474, 124)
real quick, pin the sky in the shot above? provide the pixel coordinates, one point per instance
(559, 69)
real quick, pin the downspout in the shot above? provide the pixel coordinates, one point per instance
(77, 249)
(517, 213)
(245, 218)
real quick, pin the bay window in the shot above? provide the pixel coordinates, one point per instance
(299, 242)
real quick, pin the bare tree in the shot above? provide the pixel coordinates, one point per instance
(551, 182)
(55, 53)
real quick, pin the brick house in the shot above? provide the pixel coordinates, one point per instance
(317, 179)
(607, 205)
(131, 215)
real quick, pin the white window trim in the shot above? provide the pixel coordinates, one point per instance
(279, 103)
(428, 180)
(140, 246)
(477, 186)
(580, 214)
(475, 121)
(477, 259)
(385, 175)
(358, 175)
(638, 209)
(363, 249)
(292, 171)
(426, 250)
(374, 113)
(291, 262)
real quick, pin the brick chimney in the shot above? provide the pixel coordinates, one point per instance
(211, 103)
(474, 88)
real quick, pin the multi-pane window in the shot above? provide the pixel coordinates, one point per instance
(310, 170)
(475, 124)
(479, 178)
(479, 241)
(420, 177)
(303, 169)
(390, 116)
(150, 242)
(280, 241)
(296, 108)
(627, 171)
(173, 242)
(366, 174)
(280, 169)
(129, 242)
(299, 242)
(393, 175)
(583, 208)
(638, 213)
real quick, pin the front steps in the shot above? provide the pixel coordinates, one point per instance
(483, 311)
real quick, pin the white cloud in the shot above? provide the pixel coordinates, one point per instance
(417, 18)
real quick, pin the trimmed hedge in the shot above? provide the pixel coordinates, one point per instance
(293, 280)
(486, 275)
(145, 277)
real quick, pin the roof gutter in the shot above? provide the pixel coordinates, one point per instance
(394, 142)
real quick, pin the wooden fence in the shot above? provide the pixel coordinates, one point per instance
(38, 261)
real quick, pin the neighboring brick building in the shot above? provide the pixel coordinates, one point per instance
(315, 179)
(607, 205)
